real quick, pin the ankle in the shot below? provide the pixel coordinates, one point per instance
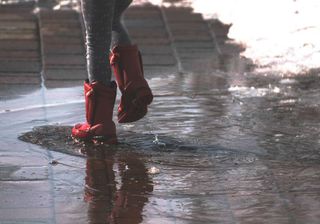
(103, 82)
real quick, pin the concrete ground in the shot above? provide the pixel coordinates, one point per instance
(220, 144)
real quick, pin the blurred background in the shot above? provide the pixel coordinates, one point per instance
(278, 36)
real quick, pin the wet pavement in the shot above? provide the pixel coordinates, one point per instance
(220, 144)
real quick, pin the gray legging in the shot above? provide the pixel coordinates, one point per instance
(102, 19)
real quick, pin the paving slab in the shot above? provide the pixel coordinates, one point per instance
(152, 37)
(183, 16)
(16, 16)
(63, 59)
(61, 33)
(19, 35)
(65, 83)
(58, 48)
(153, 41)
(157, 33)
(60, 45)
(19, 55)
(21, 79)
(65, 74)
(20, 74)
(23, 45)
(28, 173)
(159, 60)
(155, 49)
(22, 215)
(19, 45)
(19, 66)
(167, 38)
(58, 15)
(15, 25)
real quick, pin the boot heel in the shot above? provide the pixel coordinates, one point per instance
(144, 97)
(136, 93)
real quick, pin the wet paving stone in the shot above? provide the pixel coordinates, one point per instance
(20, 35)
(64, 50)
(141, 23)
(71, 73)
(18, 55)
(15, 16)
(143, 33)
(26, 215)
(16, 25)
(57, 39)
(155, 49)
(56, 49)
(63, 59)
(19, 66)
(20, 46)
(23, 173)
(243, 184)
(214, 148)
(151, 37)
(25, 201)
(17, 78)
(157, 60)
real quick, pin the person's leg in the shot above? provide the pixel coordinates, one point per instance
(98, 18)
(99, 92)
(119, 33)
(126, 62)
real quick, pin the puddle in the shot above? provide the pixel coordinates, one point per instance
(215, 147)
(57, 138)
(218, 148)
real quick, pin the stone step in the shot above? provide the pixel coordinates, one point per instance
(20, 59)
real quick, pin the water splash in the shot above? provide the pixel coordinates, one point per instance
(244, 92)
(153, 170)
(157, 142)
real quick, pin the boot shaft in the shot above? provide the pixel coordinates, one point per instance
(99, 101)
(127, 62)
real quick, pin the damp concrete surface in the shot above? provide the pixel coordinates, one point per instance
(215, 147)
(208, 151)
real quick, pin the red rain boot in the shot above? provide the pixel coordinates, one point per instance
(126, 62)
(100, 101)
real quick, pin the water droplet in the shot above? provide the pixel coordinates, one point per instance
(288, 81)
(276, 90)
(153, 170)
(157, 142)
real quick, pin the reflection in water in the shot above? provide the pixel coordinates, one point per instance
(107, 202)
(232, 148)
